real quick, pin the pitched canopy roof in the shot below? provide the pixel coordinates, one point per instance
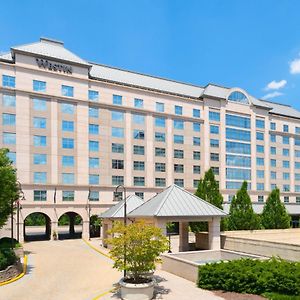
(117, 211)
(176, 202)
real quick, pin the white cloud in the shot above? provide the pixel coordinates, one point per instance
(275, 85)
(295, 66)
(272, 95)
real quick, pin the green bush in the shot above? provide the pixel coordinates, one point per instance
(274, 296)
(7, 258)
(6, 243)
(252, 276)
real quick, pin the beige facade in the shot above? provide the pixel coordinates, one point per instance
(146, 165)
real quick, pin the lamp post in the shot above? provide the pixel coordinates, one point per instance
(19, 207)
(88, 208)
(125, 218)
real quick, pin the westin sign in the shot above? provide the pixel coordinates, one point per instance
(57, 67)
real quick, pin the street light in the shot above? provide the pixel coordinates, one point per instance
(19, 207)
(88, 208)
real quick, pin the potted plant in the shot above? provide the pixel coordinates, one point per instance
(135, 248)
(54, 235)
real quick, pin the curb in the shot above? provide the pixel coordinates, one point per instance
(96, 249)
(20, 275)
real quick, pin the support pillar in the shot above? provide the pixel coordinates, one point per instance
(85, 230)
(21, 232)
(214, 240)
(104, 235)
(183, 236)
(54, 228)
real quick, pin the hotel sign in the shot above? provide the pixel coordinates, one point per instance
(57, 67)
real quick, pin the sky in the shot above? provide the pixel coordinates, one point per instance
(254, 45)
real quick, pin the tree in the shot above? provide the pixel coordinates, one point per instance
(208, 190)
(241, 214)
(9, 188)
(274, 215)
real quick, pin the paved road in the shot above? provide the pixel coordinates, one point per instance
(62, 270)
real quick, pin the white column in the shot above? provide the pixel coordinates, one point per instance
(85, 229)
(183, 236)
(162, 225)
(214, 240)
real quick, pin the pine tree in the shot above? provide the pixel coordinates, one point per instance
(274, 214)
(242, 216)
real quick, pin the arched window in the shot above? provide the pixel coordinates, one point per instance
(238, 97)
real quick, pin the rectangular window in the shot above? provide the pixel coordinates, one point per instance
(260, 186)
(196, 113)
(237, 121)
(93, 95)
(214, 129)
(117, 132)
(178, 124)
(259, 136)
(160, 167)
(138, 103)
(138, 150)
(93, 129)
(285, 140)
(214, 116)
(178, 153)
(67, 91)
(273, 186)
(297, 176)
(67, 143)
(93, 112)
(286, 188)
(178, 168)
(160, 122)
(117, 148)
(196, 141)
(68, 195)
(139, 165)
(297, 189)
(286, 152)
(214, 156)
(273, 163)
(8, 100)
(39, 177)
(260, 161)
(139, 194)
(67, 108)
(196, 169)
(12, 156)
(260, 123)
(235, 147)
(93, 196)
(67, 126)
(94, 162)
(160, 107)
(297, 141)
(297, 165)
(93, 146)
(285, 176)
(39, 141)
(117, 180)
(178, 139)
(178, 110)
(260, 148)
(214, 143)
(40, 159)
(297, 153)
(196, 155)
(179, 182)
(118, 196)
(238, 160)
(196, 127)
(160, 152)
(138, 134)
(238, 134)
(273, 138)
(9, 138)
(138, 181)
(260, 198)
(273, 126)
(160, 137)
(39, 104)
(238, 174)
(8, 119)
(68, 178)
(39, 122)
(8, 81)
(39, 86)
(39, 195)
(117, 115)
(138, 119)
(93, 179)
(273, 175)
(285, 164)
(260, 174)
(216, 170)
(297, 130)
(298, 200)
(273, 150)
(67, 161)
(285, 128)
(196, 183)
(117, 164)
(117, 100)
(160, 182)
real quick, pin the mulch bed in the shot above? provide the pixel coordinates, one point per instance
(237, 296)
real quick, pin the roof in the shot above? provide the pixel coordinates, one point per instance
(117, 211)
(175, 201)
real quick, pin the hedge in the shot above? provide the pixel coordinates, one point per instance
(252, 276)
(7, 258)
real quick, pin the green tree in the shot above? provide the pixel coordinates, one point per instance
(274, 215)
(9, 188)
(241, 214)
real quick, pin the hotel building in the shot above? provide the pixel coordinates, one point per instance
(76, 130)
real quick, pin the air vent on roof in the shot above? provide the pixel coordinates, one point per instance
(51, 41)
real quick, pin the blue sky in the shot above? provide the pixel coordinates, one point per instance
(253, 44)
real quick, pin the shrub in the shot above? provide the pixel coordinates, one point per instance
(7, 258)
(6, 243)
(252, 276)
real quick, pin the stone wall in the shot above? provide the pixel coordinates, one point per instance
(11, 272)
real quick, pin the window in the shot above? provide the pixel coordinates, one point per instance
(297, 176)
(67, 90)
(93, 179)
(39, 122)
(286, 187)
(39, 104)
(139, 194)
(160, 107)
(93, 95)
(138, 103)
(117, 164)
(215, 170)
(67, 161)
(214, 143)
(285, 176)
(273, 186)
(117, 100)
(178, 153)
(93, 129)
(260, 148)
(117, 148)
(160, 152)
(260, 186)
(285, 128)
(259, 136)
(160, 137)
(235, 147)
(196, 113)
(234, 185)
(214, 116)
(214, 129)
(67, 143)
(196, 183)
(39, 195)
(8, 100)
(238, 161)
(117, 196)
(297, 141)
(285, 140)
(93, 112)
(8, 119)
(273, 163)
(230, 197)
(273, 138)
(138, 181)
(273, 175)
(39, 177)
(117, 132)
(160, 182)
(239, 97)
(39, 141)
(178, 168)
(285, 164)
(196, 141)
(260, 198)
(67, 126)
(260, 123)
(93, 196)
(196, 127)
(237, 121)
(286, 152)
(138, 150)
(297, 130)
(298, 200)
(139, 165)
(68, 108)
(160, 167)
(40, 159)
(178, 124)
(68, 195)
(273, 126)
(138, 119)
(238, 174)
(178, 139)
(196, 169)
(94, 162)
(117, 115)
(297, 153)
(286, 199)
(8, 81)
(214, 156)
(260, 161)
(273, 150)
(117, 180)
(12, 156)
(68, 178)
(39, 86)
(297, 165)
(178, 110)
(238, 134)
(260, 174)
(93, 146)
(138, 134)
(160, 122)
(196, 155)
(179, 182)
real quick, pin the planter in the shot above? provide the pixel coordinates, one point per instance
(11, 272)
(132, 291)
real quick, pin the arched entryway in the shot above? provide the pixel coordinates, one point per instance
(37, 227)
(70, 226)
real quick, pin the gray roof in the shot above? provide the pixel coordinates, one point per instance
(282, 109)
(6, 56)
(175, 201)
(117, 211)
